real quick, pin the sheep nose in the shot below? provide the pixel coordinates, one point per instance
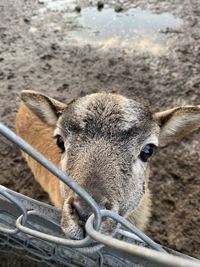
(82, 214)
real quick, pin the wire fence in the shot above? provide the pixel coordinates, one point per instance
(31, 226)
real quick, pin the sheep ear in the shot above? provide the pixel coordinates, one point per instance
(46, 108)
(178, 122)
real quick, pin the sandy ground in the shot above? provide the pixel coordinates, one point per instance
(32, 55)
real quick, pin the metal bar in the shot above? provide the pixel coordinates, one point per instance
(150, 257)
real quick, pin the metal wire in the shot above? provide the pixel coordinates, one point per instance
(23, 211)
(154, 257)
(40, 234)
(128, 225)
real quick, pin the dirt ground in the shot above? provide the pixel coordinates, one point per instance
(42, 60)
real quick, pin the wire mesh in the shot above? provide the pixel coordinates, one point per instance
(34, 227)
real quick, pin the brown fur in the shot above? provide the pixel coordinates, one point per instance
(28, 126)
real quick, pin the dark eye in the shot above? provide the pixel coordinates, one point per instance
(60, 142)
(146, 152)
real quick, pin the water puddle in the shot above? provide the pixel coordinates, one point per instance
(134, 29)
(130, 30)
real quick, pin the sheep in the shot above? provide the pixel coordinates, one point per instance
(103, 141)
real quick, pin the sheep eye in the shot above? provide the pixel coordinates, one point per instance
(146, 152)
(60, 142)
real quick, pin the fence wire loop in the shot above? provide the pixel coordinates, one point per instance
(57, 240)
(125, 223)
(18, 205)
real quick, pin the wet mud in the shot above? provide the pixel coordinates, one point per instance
(54, 49)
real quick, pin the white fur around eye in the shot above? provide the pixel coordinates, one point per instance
(57, 132)
(63, 161)
(139, 167)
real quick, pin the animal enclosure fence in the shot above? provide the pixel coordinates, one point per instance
(33, 229)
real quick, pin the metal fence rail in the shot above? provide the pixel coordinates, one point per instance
(26, 224)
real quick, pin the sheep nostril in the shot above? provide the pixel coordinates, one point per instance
(108, 205)
(83, 216)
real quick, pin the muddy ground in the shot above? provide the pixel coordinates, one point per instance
(41, 59)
